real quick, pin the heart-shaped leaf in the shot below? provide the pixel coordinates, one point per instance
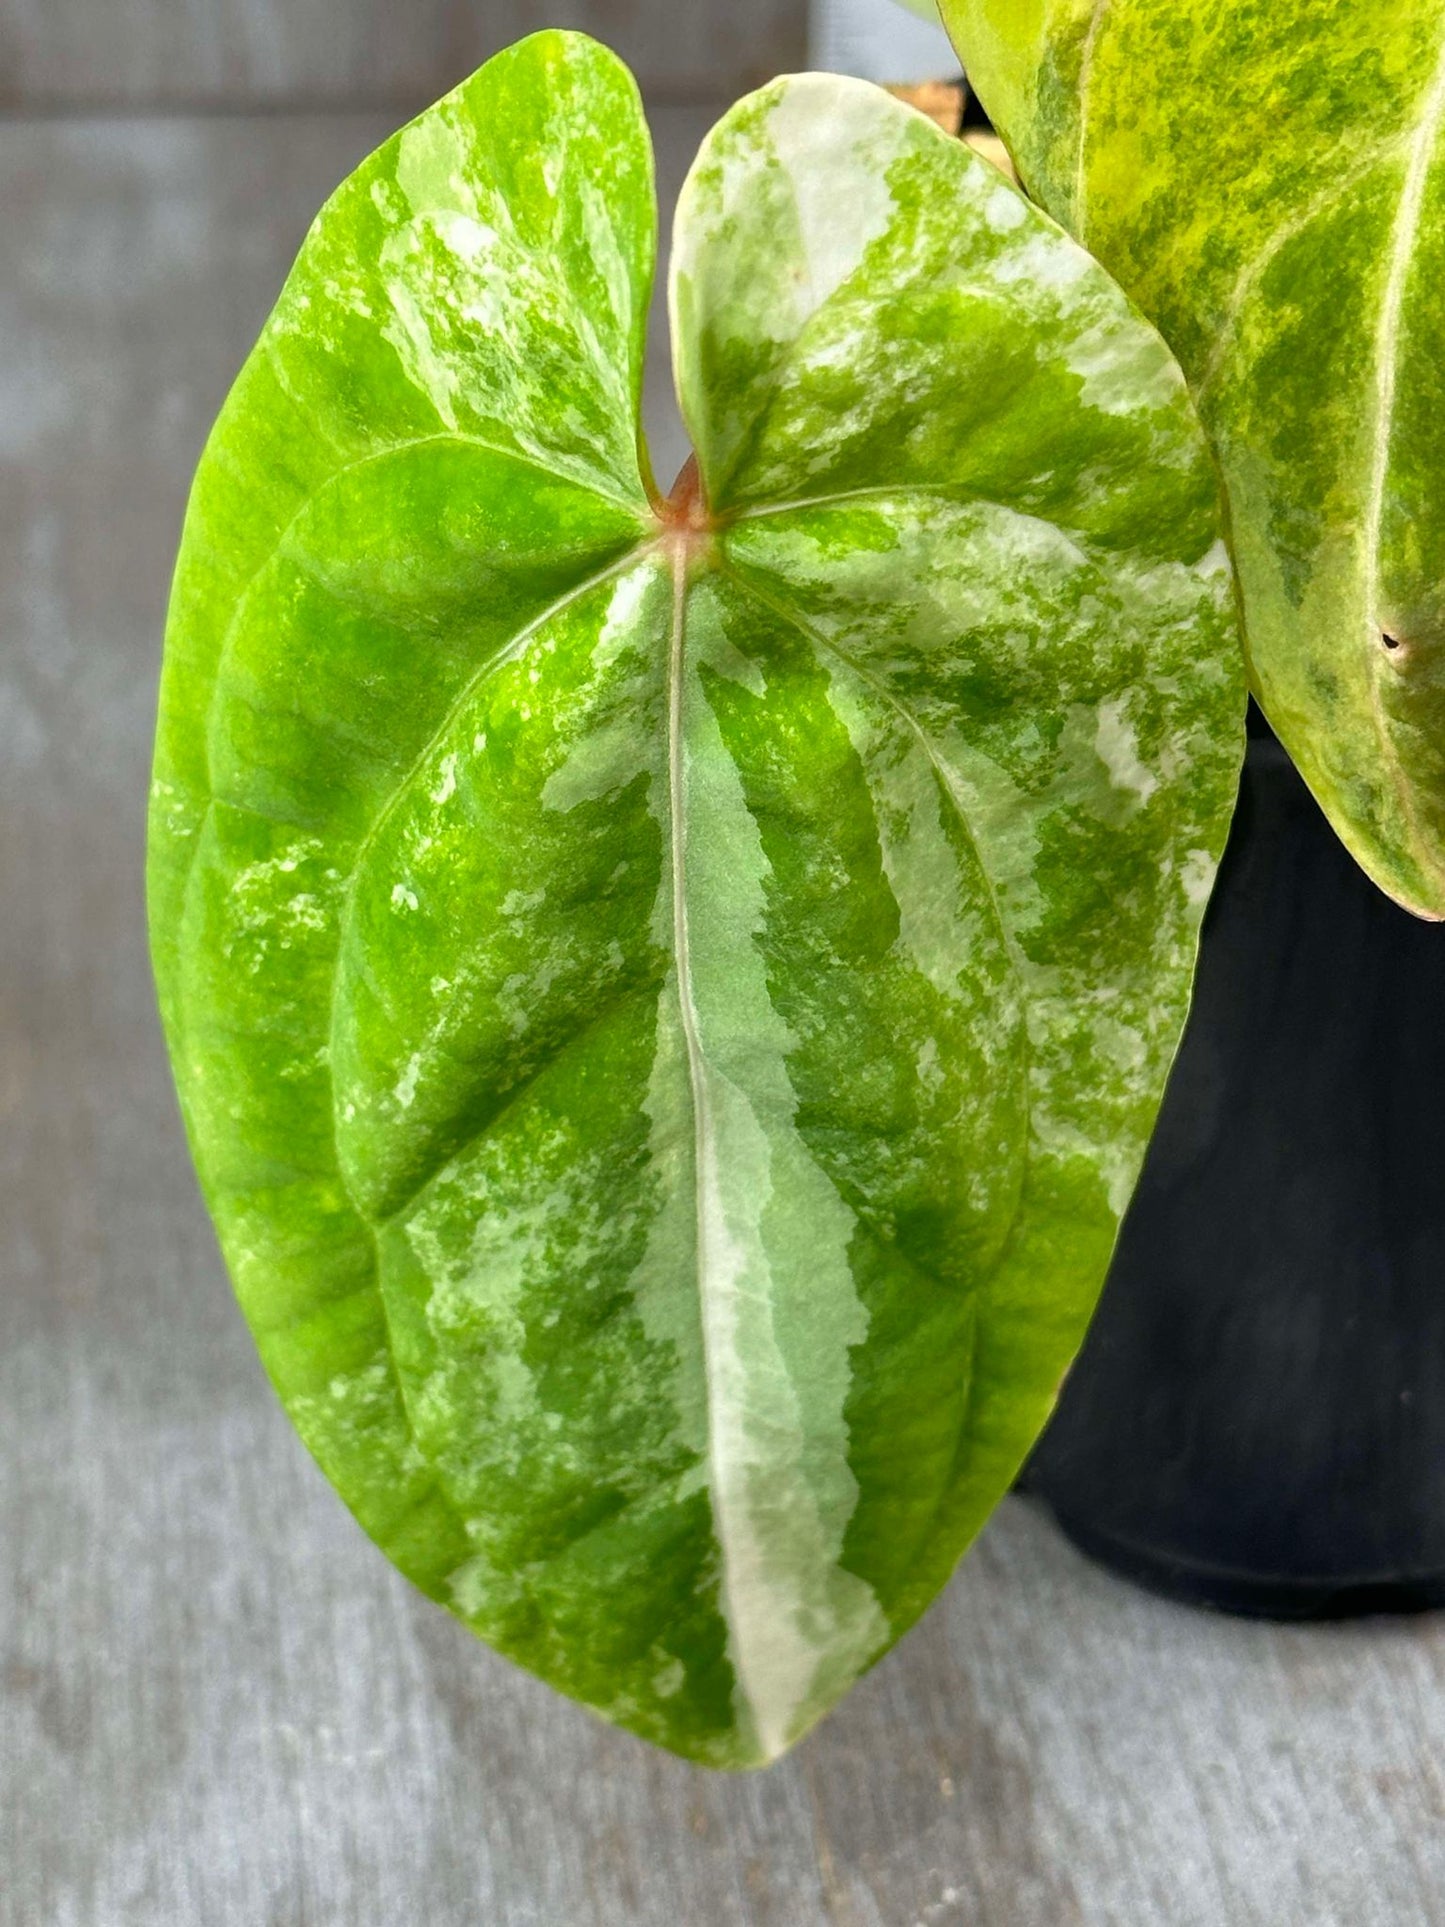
(1268, 182)
(669, 998)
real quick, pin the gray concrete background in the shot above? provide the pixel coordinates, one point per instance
(219, 1707)
(306, 53)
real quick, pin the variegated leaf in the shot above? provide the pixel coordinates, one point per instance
(1268, 182)
(669, 997)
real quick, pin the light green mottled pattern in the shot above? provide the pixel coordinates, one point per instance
(1268, 182)
(391, 494)
(669, 1005)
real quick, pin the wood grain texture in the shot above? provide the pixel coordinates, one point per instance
(249, 52)
(218, 1705)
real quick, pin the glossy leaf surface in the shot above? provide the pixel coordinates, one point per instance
(669, 999)
(1268, 182)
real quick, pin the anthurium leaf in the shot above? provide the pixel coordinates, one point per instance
(1268, 182)
(669, 998)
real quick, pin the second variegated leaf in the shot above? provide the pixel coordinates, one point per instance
(1268, 182)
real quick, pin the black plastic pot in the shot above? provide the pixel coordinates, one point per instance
(1257, 1419)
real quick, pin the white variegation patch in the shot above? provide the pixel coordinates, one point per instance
(1116, 743)
(843, 201)
(776, 1440)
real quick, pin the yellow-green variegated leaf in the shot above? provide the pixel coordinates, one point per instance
(1268, 182)
(669, 997)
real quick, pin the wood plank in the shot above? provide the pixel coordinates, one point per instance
(238, 53)
(218, 1706)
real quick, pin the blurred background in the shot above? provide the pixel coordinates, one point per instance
(218, 1705)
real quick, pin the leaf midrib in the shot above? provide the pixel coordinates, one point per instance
(1086, 80)
(705, 1150)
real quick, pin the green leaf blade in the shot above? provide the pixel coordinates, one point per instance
(668, 1003)
(1267, 184)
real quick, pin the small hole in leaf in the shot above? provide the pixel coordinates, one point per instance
(1390, 642)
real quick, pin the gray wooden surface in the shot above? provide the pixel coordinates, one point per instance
(218, 1705)
(237, 52)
